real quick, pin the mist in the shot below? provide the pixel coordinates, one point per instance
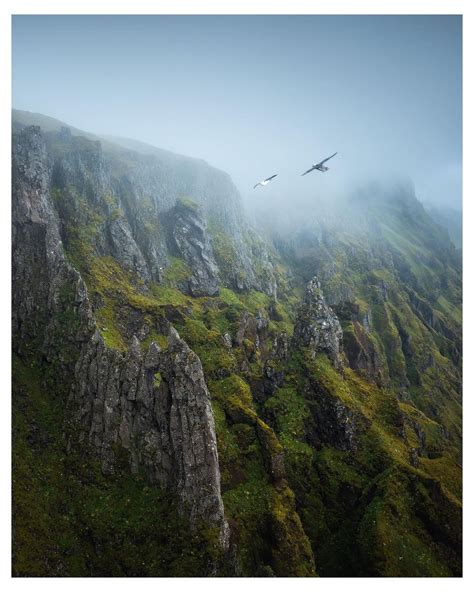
(259, 95)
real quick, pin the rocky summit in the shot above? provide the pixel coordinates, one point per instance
(197, 396)
(317, 327)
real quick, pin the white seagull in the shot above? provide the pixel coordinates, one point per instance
(265, 182)
(319, 166)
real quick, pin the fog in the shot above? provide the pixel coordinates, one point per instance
(256, 96)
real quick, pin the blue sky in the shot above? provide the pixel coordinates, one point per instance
(258, 95)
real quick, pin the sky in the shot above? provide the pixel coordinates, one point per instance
(259, 95)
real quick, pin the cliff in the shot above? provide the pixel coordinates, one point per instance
(192, 399)
(115, 400)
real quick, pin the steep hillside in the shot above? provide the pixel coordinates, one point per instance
(394, 280)
(450, 219)
(190, 399)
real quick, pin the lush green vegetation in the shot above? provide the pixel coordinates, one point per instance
(338, 472)
(71, 520)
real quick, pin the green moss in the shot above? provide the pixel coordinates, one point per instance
(209, 345)
(165, 295)
(447, 470)
(117, 289)
(228, 447)
(450, 308)
(224, 252)
(108, 326)
(289, 414)
(156, 380)
(250, 500)
(393, 531)
(159, 339)
(292, 556)
(284, 320)
(196, 333)
(327, 503)
(230, 297)
(178, 271)
(390, 340)
(187, 203)
(107, 276)
(116, 214)
(247, 447)
(82, 223)
(245, 485)
(325, 374)
(255, 301)
(235, 389)
(218, 319)
(247, 509)
(290, 411)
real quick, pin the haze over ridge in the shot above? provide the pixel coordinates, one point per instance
(258, 95)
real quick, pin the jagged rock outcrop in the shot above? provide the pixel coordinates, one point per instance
(252, 328)
(273, 373)
(280, 347)
(159, 178)
(100, 207)
(156, 406)
(317, 327)
(189, 239)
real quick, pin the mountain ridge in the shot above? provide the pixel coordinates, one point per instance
(338, 443)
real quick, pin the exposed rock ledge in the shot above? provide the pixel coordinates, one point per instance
(317, 327)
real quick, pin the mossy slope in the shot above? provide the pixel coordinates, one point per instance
(341, 473)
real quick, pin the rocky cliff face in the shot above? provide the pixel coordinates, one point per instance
(155, 406)
(218, 414)
(125, 197)
(388, 278)
(189, 239)
(97, 285)
(317, 327)
(44, 284)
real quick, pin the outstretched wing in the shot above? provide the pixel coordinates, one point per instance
(255, 186)
(308, 171)
(326, 159)
(272, 177)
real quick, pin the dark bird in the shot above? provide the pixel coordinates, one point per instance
(265, 182)
(319, 166)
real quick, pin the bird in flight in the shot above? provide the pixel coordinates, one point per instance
(319, 166)
(265, 182)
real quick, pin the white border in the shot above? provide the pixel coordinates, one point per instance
(9, 7)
